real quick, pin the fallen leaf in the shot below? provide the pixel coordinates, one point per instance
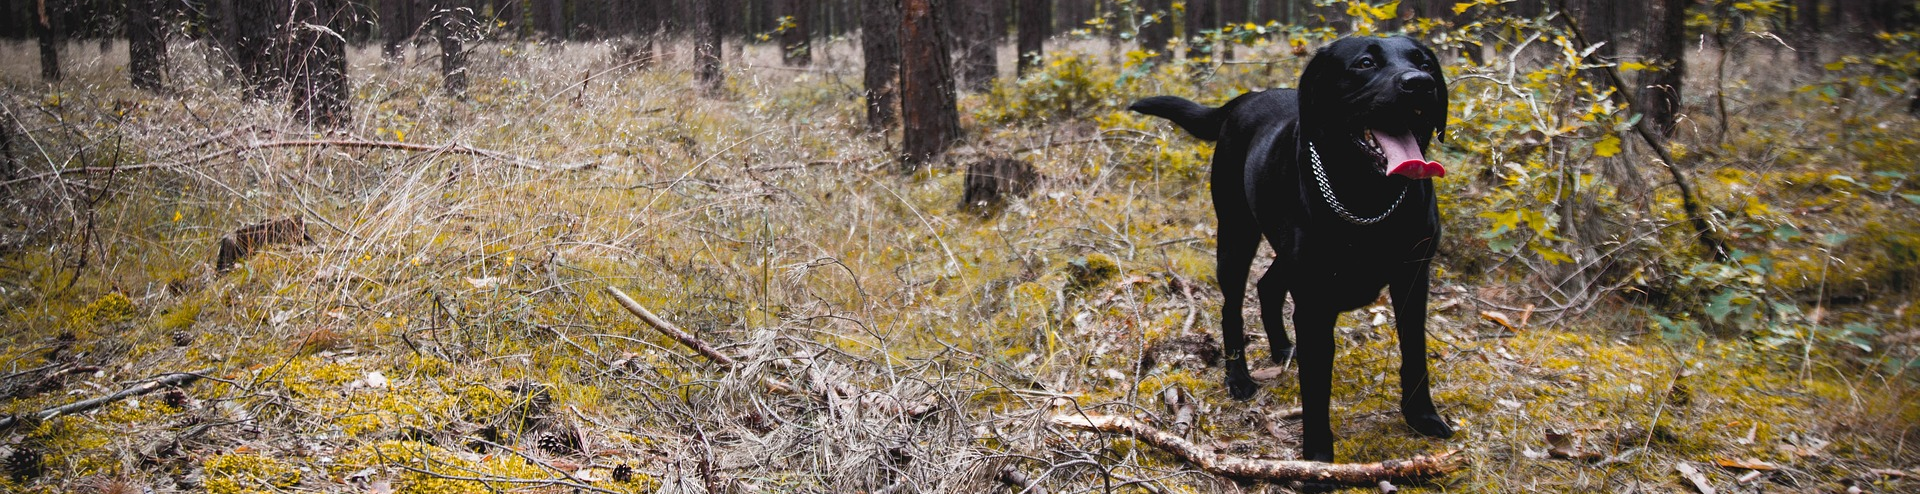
(1508, 403)
(1500, 319)
(1888, 472)
(1698, 479)
(487, 282)
(1267, 373)
(1750, 432)
(1747, 464)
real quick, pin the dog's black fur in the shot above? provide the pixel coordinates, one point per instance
(1262, 186)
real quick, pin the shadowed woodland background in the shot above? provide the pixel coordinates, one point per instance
(364, 246)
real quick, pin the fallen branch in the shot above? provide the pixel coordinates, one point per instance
(884, 402)
(1261, 469)
(164, 381)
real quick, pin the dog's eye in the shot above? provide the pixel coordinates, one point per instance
(1363, 63)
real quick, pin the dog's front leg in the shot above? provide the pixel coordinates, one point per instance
(1314, 352)
(1410, 315)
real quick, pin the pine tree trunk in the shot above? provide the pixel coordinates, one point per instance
(50, 28)
(880, 45)
(1036, 23)
(1158, 27)
(927, 107)
(316, 62)
(396, 24)
(256, 35)
(451, 27)
(979, 35)
(1201, 16)
(706, 45)
(1659, 96)
(146, 43)
(795, 40)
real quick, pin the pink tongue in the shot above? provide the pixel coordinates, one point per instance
(1404, 158)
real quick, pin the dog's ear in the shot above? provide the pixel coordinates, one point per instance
(1319, 87)
(1436, 114)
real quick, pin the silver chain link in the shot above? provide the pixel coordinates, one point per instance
(1326, 191)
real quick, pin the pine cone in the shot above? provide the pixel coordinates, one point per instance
(623, 473)
(25, 463)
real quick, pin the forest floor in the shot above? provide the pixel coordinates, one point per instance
(448, 327)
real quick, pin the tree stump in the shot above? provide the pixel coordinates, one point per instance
(247, 240)
(990, 182)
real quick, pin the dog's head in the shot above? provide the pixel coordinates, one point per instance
(1385, 96)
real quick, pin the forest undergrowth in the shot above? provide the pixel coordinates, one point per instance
(448, 328)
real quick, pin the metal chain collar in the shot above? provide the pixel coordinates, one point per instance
(1326, 191)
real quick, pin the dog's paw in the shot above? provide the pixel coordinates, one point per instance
(1241, 386)
(1282, 354)
(1317, 447)
(1430, 424)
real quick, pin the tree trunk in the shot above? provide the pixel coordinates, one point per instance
(880, 45)
(927, 106)
(1036, 23)
(1806, 27)
(1660, 86)
(1156, 28)
(796, 33)
(451, 27)
(550, 18)
(256, 30)
(317, 62)
(146, 43)
(396, 25)
(1201, 16)
(979, 36)
(706, 45)
(52, 33)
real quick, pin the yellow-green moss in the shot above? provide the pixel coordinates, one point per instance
(108, 309)
(246, 473)
(429, 458)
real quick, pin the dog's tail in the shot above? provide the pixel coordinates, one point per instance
(1201, 121)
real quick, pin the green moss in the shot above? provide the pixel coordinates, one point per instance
(111, 308)
(1093, 271)
(246, 473)
(421, 458)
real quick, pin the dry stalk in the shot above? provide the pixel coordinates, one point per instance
(824, 389)
(1264, 469)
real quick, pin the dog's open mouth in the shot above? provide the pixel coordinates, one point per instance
(1397, 153)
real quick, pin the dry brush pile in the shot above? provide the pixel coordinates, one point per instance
(458, 310)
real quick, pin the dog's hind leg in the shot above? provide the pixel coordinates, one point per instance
(1233, 257)
(1410, 318)
(1273, 301)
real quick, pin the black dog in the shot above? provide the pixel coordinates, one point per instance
(1334, 174)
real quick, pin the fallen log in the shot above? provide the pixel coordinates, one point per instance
(164, 381)
(1359, 474)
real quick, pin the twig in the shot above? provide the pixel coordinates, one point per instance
(1264, 469)
(455, 148)
(589, 78)
(167, 380)
(891, 404)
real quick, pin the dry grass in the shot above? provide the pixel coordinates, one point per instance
(448, 330)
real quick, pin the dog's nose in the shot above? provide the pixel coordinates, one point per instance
(1415, 81)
